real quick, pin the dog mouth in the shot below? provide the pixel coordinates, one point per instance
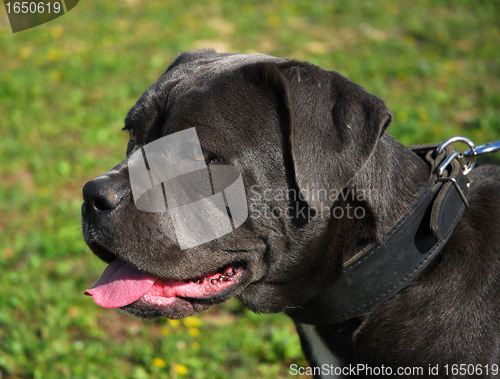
(121, 285)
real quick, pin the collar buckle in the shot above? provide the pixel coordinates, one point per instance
(468, 166)
(460, 158)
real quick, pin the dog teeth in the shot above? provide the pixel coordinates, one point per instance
(222, 278)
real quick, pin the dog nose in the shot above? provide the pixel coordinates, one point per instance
(104, 193)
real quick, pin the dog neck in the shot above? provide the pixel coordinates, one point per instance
(384, 266)
(389, 182)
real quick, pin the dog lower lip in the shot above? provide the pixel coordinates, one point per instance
(180, 305)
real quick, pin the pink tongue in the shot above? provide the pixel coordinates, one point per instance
(120, 285)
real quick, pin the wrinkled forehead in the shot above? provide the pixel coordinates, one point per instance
(214, 92)
(204, 78)
(203, 93)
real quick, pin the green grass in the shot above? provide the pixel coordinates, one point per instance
(65, 88)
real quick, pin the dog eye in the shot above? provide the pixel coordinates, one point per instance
(201, 155)
(131, 133)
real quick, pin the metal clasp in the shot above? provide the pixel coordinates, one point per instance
(467, 166)
(488, 148)
(472, 154)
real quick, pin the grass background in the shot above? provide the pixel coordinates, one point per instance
(65, 88)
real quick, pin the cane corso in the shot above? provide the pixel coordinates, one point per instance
(323, 184)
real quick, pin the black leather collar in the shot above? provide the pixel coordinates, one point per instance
(382, 269)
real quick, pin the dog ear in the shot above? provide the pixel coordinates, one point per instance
(334, 128)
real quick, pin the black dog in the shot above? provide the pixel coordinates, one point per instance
(324, 185)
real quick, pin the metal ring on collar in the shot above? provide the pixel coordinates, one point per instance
(471, 153)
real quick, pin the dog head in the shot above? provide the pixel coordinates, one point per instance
(294, 134)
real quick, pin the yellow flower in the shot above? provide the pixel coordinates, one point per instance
(53, 55)
(316, 48)
(25, 53)
(193, 321)
(195, 332)
(174, 323)
(274, 21)
(158, 362)
(181, 369)
(56, 31)
(166, 331)
(195, 345)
